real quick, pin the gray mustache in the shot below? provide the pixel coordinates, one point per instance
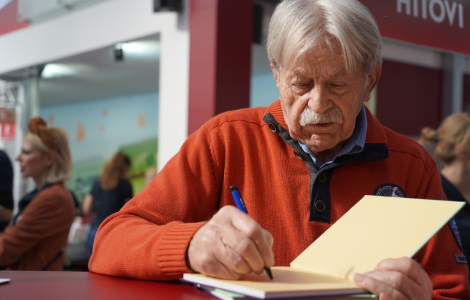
(332, 115)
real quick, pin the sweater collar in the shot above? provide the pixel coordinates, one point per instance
(375, 132)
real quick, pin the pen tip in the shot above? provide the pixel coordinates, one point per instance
(268, 271)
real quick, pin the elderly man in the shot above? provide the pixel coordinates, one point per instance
(300, 164)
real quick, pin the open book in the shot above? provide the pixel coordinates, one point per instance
(376, 228)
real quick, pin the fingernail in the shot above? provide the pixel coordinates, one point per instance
(382, 296)
(358, 278)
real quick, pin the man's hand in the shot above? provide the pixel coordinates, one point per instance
(230, 245)
(401, 278)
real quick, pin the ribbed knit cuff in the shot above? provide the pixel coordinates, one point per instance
(172, 250)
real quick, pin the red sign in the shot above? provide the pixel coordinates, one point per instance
(7, 123)
(441, 24)
(9, 18)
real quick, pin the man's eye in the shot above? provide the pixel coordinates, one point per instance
(337, 85)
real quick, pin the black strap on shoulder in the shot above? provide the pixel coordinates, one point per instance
(54, 259)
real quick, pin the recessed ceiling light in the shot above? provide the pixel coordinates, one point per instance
(142, 48)
(61, 70)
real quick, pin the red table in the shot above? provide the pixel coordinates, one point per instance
(25, 285)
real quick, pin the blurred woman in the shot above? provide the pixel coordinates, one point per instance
(452, 147)
(109, 193)
(35, 239)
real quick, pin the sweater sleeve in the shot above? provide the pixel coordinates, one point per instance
(450, 279)
(44, 217)
(148, 238)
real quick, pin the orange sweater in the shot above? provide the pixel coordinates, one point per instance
(148, 238)
(41, 232)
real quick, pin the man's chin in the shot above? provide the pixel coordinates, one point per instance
(319, 147)
(318, 143)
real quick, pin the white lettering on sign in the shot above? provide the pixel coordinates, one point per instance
(438, 10)
(432, 11)
(451, 11)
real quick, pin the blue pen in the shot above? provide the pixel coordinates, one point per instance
(241, 206)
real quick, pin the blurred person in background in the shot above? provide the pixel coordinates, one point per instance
(452, 147)
(150, 174)
(35, 239)
(6, 190)
(109, 193)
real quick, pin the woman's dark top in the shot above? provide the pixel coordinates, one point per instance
(6, 185)
(462, 218)
(106, 203)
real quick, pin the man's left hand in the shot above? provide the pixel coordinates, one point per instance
(401, 278)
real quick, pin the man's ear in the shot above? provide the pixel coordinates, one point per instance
(276, 75)
(372, 80)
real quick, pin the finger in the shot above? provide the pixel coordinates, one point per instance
(243, 249)
(400, 282)
(269, 237)
(233, 252)
(378, 287)
(261, 238)
(267, 253)
(410, 268)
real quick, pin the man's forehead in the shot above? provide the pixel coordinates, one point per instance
(304, 71)
(323, 62)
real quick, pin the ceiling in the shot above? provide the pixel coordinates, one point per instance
(97, 75)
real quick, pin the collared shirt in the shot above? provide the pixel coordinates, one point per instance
(355, 143)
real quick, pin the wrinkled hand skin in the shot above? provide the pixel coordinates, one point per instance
(397, 279)
(230, 246)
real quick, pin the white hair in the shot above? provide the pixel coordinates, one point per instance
(299, 26)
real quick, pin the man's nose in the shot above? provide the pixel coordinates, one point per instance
(319, 101)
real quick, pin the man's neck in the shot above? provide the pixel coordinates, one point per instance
(325, 155)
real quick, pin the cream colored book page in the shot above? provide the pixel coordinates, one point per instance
(376, 228)
(285, 279)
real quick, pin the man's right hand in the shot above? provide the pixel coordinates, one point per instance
(230, 245)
